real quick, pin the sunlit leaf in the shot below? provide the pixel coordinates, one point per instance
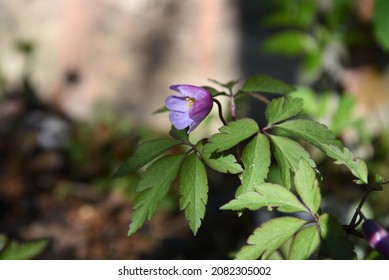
(305, 243)
(288, 154)
(194, 191)
(221, 162)
(145, 153)
(256, 159)
(269, 237)
(152, 188)
(307, 186)
(266, 195)
(356, 165)
(264, 83)
(311, 131)
(230, 135)
(282, 108)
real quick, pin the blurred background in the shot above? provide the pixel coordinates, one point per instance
(79, 80)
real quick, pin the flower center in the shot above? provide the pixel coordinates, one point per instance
(190, 101)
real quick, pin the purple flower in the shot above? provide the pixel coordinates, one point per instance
(377, 236)
(189, 107)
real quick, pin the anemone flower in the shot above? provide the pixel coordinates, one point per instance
(190, 107)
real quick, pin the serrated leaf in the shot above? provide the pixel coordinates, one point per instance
(264, 83)
(310, 131)
(194, 191)
(288, 154)
(305, 243)
(269, 237)
(23, 251)
(145, 153)
(221, 162)
(307, 186)
(381, 23)
(266, 195)
(152, 188)
(230, 135)
(282, 108)
(256, 159)
(356, 165)
(334, 239)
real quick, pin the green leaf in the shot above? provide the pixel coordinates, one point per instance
(3, 241)
(269, 237)
(266, 195)
(381, 23)
(163, 109)
(152, 188)
(334, 239)
(230, 135)
(356, 165)
(194, 191)
(180, 135)
(264, 83)
(288, 154)
(311, 131)
(23, 251)
(145, 153)
(282, 108)
(305, 243)
(221, 162)
(307, 186)
(290, 43)
(256, 159)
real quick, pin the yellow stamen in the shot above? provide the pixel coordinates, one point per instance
(190, 101)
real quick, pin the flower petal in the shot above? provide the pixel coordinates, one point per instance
(180, 120)
(176, 103)
(190, 91)
(193, 126)
(200, 109)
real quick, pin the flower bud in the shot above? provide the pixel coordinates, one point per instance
(377, 236)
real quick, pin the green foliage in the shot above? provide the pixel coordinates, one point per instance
(221, 162)
(282, 108)
(152, 188)
(256, 159)
(230, 135)
(288, 154)
(290, 43)
(266, 195)
(381, 23)
(144, 154)
(194, 191)
(356, 166)
(266, 84)
(21, 251)
(318, 235)
(305, 243)
(307, 186)
(269, 237)
(310, 131)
